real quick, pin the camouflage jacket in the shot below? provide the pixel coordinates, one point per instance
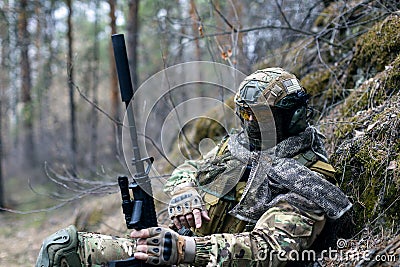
(287, 180)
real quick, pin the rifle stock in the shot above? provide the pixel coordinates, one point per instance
(140, 212)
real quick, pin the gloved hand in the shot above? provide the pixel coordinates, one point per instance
(163, 246)
(187, 209)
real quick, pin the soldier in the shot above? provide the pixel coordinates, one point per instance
(257, 199)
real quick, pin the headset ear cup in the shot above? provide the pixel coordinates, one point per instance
(298, 122)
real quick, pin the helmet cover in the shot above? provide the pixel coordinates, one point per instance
(271, 94)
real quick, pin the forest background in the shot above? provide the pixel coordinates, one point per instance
(60, 110)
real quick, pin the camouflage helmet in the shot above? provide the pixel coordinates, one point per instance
(272, 93)
(269, 87)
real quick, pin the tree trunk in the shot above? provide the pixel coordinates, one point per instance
(13, 71)
(47, 73)
(133, 36)
(2, 198)
(95, 71)
(195, 28)
(26, 84)
(44, 60)
(4, 84)
(115, 102)
(71, 88)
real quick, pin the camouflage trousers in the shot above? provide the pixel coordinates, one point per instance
(288, 232)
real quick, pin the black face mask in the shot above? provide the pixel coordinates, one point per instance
(252, 129)
(260, 137)
(282, 119)
(288, 122)
(289, 117)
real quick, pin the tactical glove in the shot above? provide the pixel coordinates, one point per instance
(187, 209)
(163, 246)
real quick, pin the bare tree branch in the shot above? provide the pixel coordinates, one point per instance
(223, 17)
(96, 106)
(283, 14)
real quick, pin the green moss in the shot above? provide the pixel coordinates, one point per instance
(316, 82)
(202, 128)
(392, 82)
(375, 91)
(368, 163)
(323, 88)
(206, 128)
(375, 49)
(346, 130)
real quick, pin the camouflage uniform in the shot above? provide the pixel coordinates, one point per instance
(282, 231)
(267, 202)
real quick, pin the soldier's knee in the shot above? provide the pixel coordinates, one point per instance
(60, 249)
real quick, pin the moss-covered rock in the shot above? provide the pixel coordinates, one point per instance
(368, 165)
(375, 91)
(375, 50)
(366, 143)
(322, 88)
(316, 83)
(359, 98)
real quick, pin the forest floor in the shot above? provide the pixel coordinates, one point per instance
(22, 235)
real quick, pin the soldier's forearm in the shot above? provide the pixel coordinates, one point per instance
(97, 249)
(185, 173)
(221, 248)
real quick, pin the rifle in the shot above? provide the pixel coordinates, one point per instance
(140, 212)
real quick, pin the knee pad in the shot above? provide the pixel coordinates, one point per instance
(60, 247)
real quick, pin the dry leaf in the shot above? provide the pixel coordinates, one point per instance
(359, 133)
(392, 165)
(371, 126)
